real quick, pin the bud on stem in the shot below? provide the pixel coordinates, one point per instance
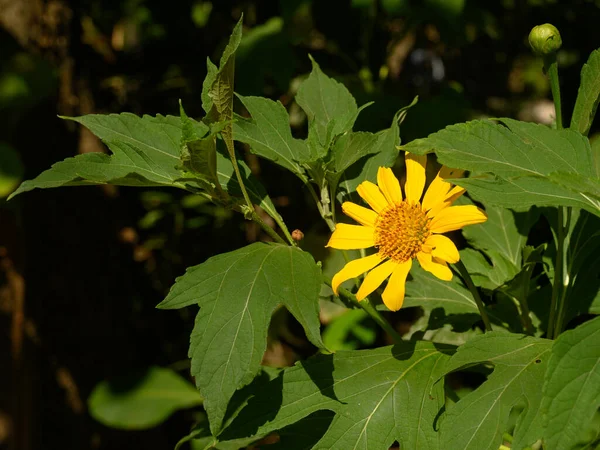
(545, 39)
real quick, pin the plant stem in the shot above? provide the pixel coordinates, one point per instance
(558, 269)
(564, 274)
(475, 293)
(266, 228)
(370, 309)
(285, 230)
(328, 220)
(551, 68)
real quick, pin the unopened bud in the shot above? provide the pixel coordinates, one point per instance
(297, 235)
(545, 39)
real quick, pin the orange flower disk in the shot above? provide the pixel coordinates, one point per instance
(402, 229)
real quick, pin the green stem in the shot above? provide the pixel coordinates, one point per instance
(475, 293)
(285, 230)
(564, 279)
(266, 228)
(558, 276)
(328, 220)
(551, 68)
(370, 309)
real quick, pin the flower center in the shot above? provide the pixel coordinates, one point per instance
(401, 231)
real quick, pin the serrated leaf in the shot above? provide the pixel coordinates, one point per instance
(571, 394)
(327, 104)
(198, 153)
(237, 293)
(145, 153)
(211, 76)
(521, 193)
(588, 95)
(384, 154)
(479, 419)
(142, 400)
(268, 134)
(507, 149)
(379, 396)
(486, 275)
(505, 232)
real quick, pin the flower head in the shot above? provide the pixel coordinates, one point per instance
(402, 228)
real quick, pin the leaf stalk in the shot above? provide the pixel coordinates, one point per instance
(464, 273)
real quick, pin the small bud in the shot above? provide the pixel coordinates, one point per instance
(545, 39)
(297, 235)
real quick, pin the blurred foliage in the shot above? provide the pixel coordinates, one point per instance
(464, 59)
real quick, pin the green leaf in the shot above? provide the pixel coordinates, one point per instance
(508, 148)
(571, 394)
(141, 400)
(479, 419)
(11, 169)
(384, 154)
(379, 396)
(521, 193)
(145, 153)
(268, 134)
(486, 275)
(504, 232)
(329, 106)
(339, 334)
(588, 95)
(198, 153)
(237, 293)
(211, 76)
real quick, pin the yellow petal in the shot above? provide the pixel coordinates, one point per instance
(389, 185)
(441, 191)
(371, 194)
(436, 266)
(393, 295)
(350, 237)
(362, 215)
(415, 176)
(454, 193)
(375, 277)
(354, 269)
(442, 248)
(456, 217)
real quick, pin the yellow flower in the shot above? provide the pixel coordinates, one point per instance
(402, 229)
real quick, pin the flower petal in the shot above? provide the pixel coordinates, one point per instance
(456, 217)
(362, 215)
(393, 295)
(443, 248)
(389, 185)
(350, 237)
(371, 194)
(436, 266)
(354, 269)
(415, 176)
(438, 189)
(375, 277)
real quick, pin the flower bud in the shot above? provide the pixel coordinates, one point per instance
(545, 39)
(297, 235)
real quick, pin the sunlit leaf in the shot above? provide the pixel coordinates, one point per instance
(572, 387)
(478, 420)
(141, 400)
(588, 95)
(268, 134)
(328, 105)
(508, 148)
(379, 396)
(237, 293)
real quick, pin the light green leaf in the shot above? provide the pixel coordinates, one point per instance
(379, 396)
(142, 400)
(211, 76)
(268, 134)
(521, 193)
(572, 387)
(328, 105)
(587, 187)
(342, 332)
(508, 148)
(237, 293)
(588, 95)
(505, 232)
(384, 154)
(479, 419)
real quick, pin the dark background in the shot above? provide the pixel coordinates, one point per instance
(81, 269)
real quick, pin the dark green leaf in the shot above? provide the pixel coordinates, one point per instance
(328, 105)
(588, 95)
(572, 387)
(379, 396)
(237, 293)
(479, 419)
(268, 134)
(507, 149)
(141, 400)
